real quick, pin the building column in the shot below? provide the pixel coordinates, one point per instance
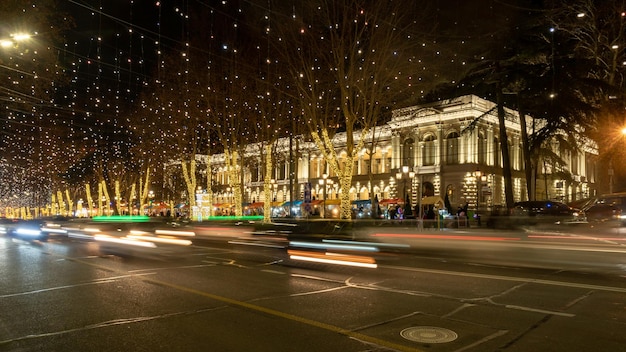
(440, 145)
(396, 151)
(490, 159)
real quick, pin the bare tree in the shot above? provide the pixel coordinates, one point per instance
(349, 60)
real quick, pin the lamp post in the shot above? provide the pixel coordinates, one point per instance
(323, 181)
(480, 178)
(610, 170)
(404, 174)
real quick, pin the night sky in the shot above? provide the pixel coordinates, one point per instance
(117, 49)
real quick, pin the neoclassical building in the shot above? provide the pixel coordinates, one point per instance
(448, 147)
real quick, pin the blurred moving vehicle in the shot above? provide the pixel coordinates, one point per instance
(28, 230)
(605, 207)
(602, 212)
(547, 211)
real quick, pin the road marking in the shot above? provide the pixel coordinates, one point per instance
(542, 311)
(105, 281)
(273, 271)
(509, 278)
(269, 311)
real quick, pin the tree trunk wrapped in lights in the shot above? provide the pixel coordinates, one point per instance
(61, 203)
(325, 144)
(143, 190)
(131, 200)
(89, 199)
(189, 175)
(232, 166)
(267, 190)
(70, 203)
(100, 206)
(118, 197)
(209, 186)
(107, 198)
(53, 205)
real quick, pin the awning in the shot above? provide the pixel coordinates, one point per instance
(316, 202)
(181, 205)
(158, 206)
(391, 201)
(256, 205)
(433, 200)
(361, 202)
(295, 203)
(223, 205)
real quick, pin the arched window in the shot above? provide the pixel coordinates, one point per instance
(254, 173)
(452, 150)
(428, 150)
(408, 155)
(282, 168)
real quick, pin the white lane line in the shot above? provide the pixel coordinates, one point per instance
(101, 281)
(105, 280)
(318, 291)
(273, 271)
(509, 278)
(169, 268)
(549, 312)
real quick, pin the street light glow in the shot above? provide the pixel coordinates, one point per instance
(21, 36)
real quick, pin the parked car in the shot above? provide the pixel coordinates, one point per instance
(547, 211)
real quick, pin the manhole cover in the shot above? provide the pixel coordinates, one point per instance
(429, 334)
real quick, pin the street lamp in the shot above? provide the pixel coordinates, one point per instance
(404, 174)
(14, 39)
(323, 182)
(480, 178)
(610, 170)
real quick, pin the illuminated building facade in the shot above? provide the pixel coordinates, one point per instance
(449, 147)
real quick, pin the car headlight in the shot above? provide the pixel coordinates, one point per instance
(28, 232)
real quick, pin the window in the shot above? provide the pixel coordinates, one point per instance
(365, 167)
(377, 166)
(408, 155)
(254, 173)
(452, 150)
(428, 150)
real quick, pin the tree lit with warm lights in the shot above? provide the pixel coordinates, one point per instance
(103, 102)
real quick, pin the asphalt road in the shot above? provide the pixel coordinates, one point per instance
(463, 290)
